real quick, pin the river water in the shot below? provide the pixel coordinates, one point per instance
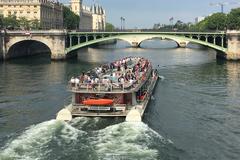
(195, 112)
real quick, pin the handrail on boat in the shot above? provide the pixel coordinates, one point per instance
(98, 87)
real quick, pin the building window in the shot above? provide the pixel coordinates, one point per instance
(35, 12)
(28, 12)
(1, 5)
(9, 12)
(21, 11)
(35, 6)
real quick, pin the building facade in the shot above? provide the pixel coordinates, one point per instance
(85, 18)
(99, 18)
(48, 13)
(199, 19)
(91, 18)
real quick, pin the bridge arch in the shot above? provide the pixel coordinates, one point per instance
(159, 38)
(27, 48)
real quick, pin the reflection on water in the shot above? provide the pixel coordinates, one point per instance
(194, 115)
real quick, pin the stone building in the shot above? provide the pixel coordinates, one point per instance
(86, 19)
(91, 18)
(99, 18)
(48, 13)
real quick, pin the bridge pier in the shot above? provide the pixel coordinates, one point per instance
(135, 44)
(233, 52)
(58, 56)
(182, 44)
(58, 48)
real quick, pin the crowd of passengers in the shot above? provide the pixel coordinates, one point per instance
(121, 72)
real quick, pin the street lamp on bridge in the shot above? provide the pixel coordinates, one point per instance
(122, 23)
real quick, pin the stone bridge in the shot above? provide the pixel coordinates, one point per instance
(23, 43)
(62, 44)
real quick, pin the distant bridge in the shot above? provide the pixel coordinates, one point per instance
(61, 43)
(215, 40)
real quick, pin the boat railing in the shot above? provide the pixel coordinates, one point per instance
(103, 87)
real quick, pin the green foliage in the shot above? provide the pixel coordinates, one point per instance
(10, 22)
(24, 23)
(70, 19)
(1, 21)
(201, 26)
(109, 27)
(233, 19)
(220, 21)
(216, 21)
(179, 25)
(35, 24)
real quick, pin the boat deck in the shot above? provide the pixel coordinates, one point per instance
(118, 77)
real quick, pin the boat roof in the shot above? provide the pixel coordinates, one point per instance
(121, 76)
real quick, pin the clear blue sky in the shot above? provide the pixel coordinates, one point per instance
(144, 13)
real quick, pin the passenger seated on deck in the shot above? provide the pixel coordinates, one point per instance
(76, 82)
(81, 78)
(108, 86)
(72, 81)
(85, 78)
(94, 84)
(89, 80)
(122, 82)
(131, 81)
(118, 68)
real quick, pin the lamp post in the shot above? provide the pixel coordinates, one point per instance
(123, 23)
(121, 18)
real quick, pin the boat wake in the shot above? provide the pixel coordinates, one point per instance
(41, 141)
(80, 139)
(127, 141)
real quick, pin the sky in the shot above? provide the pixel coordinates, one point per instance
(145, 13)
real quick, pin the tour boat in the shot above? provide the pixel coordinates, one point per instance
(121, 88)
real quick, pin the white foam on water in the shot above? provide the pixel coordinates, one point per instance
(81, 122)
(126, 141)
(69, 134)
(33, 143)
(162, 78)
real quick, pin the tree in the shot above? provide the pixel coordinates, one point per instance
(233, 19)
(216, 21)
(70, 19)
(179, 25)
(109, 27)
(156, 26)
(10, 22)
(24, 23)
(1, 21)
(35, 24)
